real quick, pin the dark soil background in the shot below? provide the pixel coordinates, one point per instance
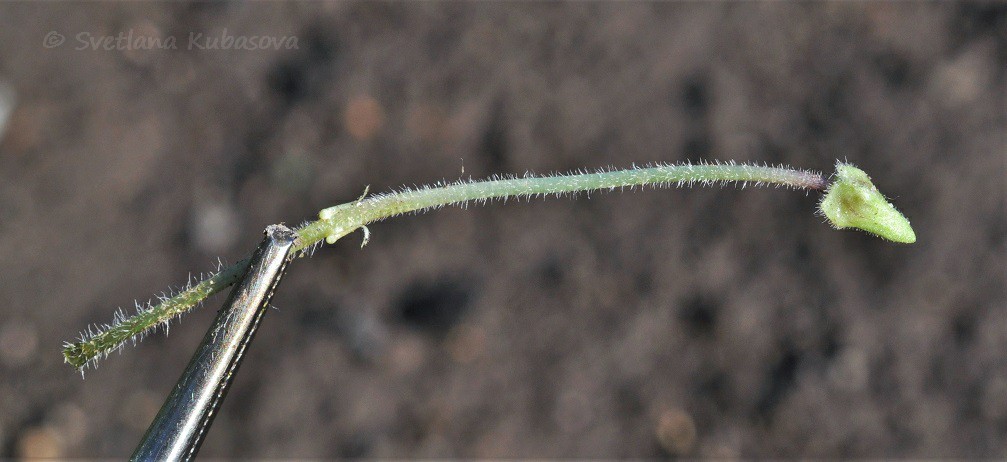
(706, 323)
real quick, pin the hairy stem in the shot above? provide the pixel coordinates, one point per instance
(99, 341)
(338, 221)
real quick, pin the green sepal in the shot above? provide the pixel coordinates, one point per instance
(852, 201)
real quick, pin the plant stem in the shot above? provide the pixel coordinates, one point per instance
(99, 341)
(343, 219)
(338, 221)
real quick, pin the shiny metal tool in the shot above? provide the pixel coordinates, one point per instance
(181, 424)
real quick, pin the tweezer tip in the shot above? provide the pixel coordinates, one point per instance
(280, 233)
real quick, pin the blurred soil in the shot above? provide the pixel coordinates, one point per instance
(706, 323)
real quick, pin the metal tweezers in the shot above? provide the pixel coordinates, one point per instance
(181, 424)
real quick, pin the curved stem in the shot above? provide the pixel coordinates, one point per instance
(343, 219)
(336, 222)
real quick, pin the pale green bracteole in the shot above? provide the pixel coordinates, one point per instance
(852, 201)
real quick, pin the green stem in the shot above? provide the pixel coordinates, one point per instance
(341, 220)
(99, 341)
(338, 221)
